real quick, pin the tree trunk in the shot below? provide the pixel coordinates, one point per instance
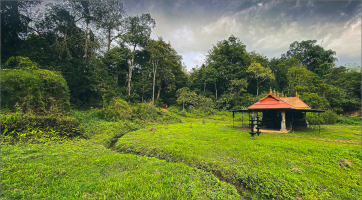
(154, 81)
(183, 105)
(215, 91)
(63, 46)
(116, 77)
(257, 89)
(130, 72)
(204, 86)
(159, 89)
(86, 45)
(109, 39)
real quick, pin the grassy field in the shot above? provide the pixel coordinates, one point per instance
(85, 170)
(200, 158)
(303, 164)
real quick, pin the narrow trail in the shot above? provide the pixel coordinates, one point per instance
(238, 186)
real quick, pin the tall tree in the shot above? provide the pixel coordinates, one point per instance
(117, 60)
(280, 66)
(14, 25)
(260, 74)
(299, 78)
(186, 96)
(110, 16)
(137, 36)
(157, 50)
(230, 61)
(211, 75)
(310, 54)
(61, 23)
(163, 58)
(170, 63)
(86, 11)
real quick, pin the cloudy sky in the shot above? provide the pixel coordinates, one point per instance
(268, 27)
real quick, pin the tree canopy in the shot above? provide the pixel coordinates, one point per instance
(102, 53)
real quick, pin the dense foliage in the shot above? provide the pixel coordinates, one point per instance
(103, 53)
(81, 70)
(34, 90)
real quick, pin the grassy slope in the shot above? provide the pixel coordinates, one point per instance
(264, 165)
(84, 170)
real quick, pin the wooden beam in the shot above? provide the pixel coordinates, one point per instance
(242, 120)
(293, 121)
(233, 119)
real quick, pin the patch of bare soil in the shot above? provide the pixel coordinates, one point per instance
(354, 113)
(344, 162)
(243, 129)
(164, 110)
(297, 169)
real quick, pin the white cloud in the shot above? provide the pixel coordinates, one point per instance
(348, 42)
(224, 25)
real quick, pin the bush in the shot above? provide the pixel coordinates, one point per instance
(15, 124)
(115, 110)
(328, 117)
(118, 109)
(40, 91)
(19, 62)
(349, 120)
(147, 112)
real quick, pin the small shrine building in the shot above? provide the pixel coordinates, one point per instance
(281, 113)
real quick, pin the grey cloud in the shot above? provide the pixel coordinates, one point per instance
(194, 26)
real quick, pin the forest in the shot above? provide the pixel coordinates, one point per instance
(93, 108)
(103, 53)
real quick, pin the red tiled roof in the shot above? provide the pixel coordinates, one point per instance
(295, 102)
(273, 102)
(270, 102)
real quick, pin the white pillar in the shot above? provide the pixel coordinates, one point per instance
(255, 114)
(305, 118)
(283, 126)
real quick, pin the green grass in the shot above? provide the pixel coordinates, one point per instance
(178, 161)
(263, 166)
(333, 132)
(84, 170)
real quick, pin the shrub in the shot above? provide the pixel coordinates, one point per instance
(35, 90)
(116, 109)
(349, 120)
(19, 62)
(15, 124)
(328, 117)
(147, 112)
